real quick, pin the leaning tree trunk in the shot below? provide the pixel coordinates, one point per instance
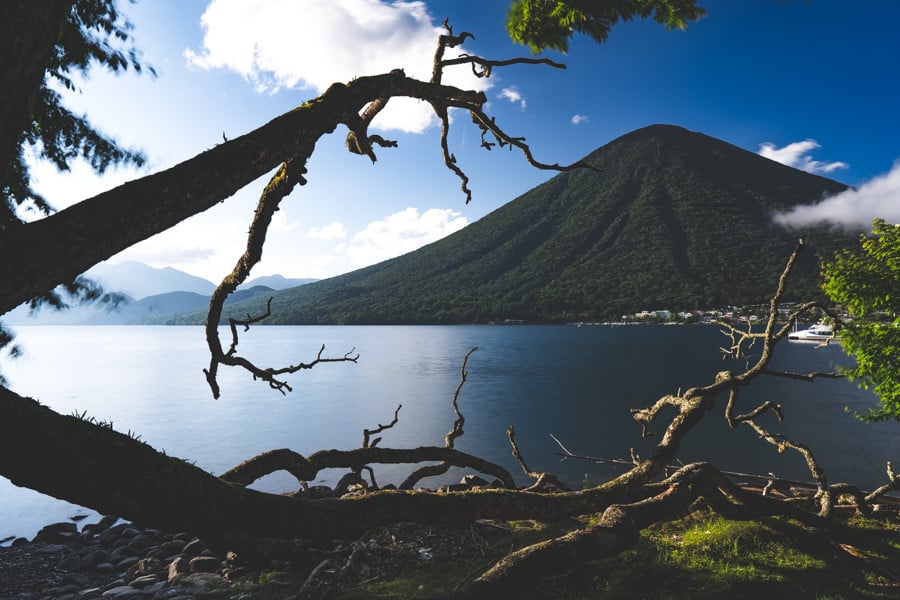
(92, 465)
(40, 255)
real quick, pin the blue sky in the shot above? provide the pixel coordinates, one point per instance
(809, 83)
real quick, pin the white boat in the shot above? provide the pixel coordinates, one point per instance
(817, 333)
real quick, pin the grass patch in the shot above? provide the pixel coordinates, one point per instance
(702, 556)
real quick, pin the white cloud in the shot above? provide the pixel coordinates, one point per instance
(513, 95)
(333, 231)
(280, 222)
(205, 245)
(400, 233)
(579, 119)
(855, 208)
(314, 43)
(797, 155)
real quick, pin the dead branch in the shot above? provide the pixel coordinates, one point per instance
(447, 40)
(306, 469)
(733, 421)
(489, 124)
(487, 66)
(245, 323)
(804, 376)
(770, 478)
(693, 401)
(456, 431)
(358, 141)
(541, 480)
(280, 185)
(484, 123)
(379, 429)
(689, 488)
(892, 484)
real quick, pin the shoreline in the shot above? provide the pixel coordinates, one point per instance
(110, 558)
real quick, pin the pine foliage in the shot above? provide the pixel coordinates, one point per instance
(95, 34)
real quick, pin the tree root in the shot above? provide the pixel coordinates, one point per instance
(306, 469)
(691, 487)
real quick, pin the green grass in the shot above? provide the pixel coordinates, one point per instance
(450, 569)
(706, 556)
(702, 556)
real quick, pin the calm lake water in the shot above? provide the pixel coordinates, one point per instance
(574, 382)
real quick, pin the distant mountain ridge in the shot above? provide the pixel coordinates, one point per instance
(666, 218)
(138, 280)
(152, 296)
(276, 282)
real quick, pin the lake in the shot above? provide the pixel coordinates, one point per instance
(574, 382)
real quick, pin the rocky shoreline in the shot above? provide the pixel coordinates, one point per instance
(116, 560)
(112, 559)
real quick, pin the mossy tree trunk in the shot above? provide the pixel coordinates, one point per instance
(40, 255)
(92, 465)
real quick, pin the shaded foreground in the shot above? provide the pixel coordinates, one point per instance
(700, 556)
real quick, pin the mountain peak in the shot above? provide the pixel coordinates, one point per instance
(668, 218)
(140, 280)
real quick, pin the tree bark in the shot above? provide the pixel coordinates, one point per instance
(45, 253)
(92, 465)
(28, 33)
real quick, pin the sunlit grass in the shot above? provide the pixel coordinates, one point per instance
(702, 556)
(706, 557)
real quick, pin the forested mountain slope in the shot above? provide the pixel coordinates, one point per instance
(668, 219)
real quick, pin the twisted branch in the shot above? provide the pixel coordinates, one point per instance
(541, 480)
(280, 185)
(485, 123)
(455, 432)
(379, 429)
(358, 141)
(694, 400)
(306, 469)
(892, 484)
(691, 487)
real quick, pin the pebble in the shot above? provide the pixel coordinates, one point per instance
(111, 560)
(204, 564)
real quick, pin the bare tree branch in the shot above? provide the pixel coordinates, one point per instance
(370, 432)
(456, 431)
(542, 480)
(306, 469)
(694, 401)
(892, 484)
(280, 186)
(803, 376)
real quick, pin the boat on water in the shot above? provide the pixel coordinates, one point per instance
(817, 333)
